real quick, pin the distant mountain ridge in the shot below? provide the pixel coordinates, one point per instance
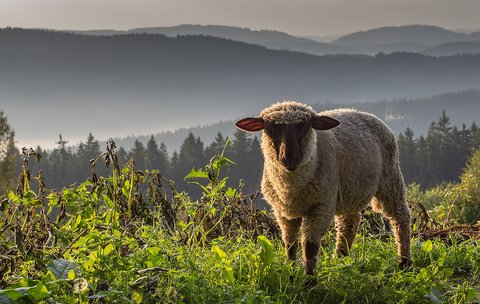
(388, 39)
(453, 48)
(272, 39)
(141, 83)
(416, 113)
(421, 34)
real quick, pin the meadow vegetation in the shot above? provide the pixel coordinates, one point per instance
(131, 237)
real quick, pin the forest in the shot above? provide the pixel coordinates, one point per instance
(438, 157)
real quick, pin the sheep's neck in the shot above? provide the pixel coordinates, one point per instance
(288, 184)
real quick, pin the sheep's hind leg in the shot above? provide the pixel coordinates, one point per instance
(395, 209)
(347, 226)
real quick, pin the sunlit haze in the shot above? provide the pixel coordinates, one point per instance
(304, 17)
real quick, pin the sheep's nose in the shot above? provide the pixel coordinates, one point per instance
(290, 165)
(289, 159)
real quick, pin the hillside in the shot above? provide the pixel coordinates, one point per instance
(422, 34)
(271, 39)
(463, 107)
(453, 48)
(140, 84)
(412, 38)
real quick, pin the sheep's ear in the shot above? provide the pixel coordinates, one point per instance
(321, 122)
(251, 124)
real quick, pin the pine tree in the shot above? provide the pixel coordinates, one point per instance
(422, 175)
(191, 154)
(256, 167)
(86, 152)
(138, 152)
(474, 137)
(407, 147)
(62, 165)
(217, 146)
(152, 154)
(9, 156)
(157, 158)
(122, 156)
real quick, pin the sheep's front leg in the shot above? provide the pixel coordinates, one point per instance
(347, 226)
(313, 229)
(290, 229)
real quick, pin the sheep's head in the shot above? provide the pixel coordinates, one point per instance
(288, 126)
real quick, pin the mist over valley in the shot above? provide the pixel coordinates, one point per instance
(143, 82)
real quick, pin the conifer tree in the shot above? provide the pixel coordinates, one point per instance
(138, 152)
(9, 156)
(408, 155)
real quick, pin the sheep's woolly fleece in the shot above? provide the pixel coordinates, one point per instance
(287, 112)
(341, 171)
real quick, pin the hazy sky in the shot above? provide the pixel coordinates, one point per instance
(300, 17)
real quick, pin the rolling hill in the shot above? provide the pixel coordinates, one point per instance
(425, 39)
(453, 48)
(463, 107)
(421, 34)
(271, 39)
(143, 83)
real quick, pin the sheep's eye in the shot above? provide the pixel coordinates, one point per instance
(269, 128)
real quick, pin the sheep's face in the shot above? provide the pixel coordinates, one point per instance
(288, 139)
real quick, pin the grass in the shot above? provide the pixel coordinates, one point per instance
(132, 238)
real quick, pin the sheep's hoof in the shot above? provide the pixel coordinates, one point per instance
(311, 282)
(404, 262)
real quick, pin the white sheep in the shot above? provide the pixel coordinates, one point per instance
(329, 165)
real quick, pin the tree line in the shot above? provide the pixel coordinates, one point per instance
(63, 166)
(440, 155)
(428, 160)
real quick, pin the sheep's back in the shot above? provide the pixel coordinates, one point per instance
(365, 150)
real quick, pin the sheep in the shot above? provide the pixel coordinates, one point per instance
(329, 166)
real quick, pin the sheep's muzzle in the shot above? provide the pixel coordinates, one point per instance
(287, 139)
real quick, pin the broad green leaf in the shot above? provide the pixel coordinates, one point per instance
(267, 252)
(13, 294)
(61, 267)
(153, 250)
(6, 300)
(71, 274)
(229, 274)
(109, 248)
(212, 210)
(88, 265)
(78, 220)
(471, 294)
(38, 292)
(219, 252)
(230, 192)
(427, 246)
(93, 256)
